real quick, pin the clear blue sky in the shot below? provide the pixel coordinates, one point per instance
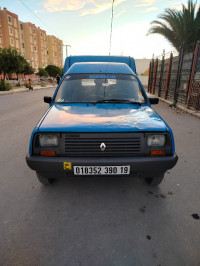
(85, 24)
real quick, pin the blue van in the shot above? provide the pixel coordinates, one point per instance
(100, 123)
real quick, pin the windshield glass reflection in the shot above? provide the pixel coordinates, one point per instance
(98, 87)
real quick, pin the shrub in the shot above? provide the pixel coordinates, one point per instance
(18, 84)
(43, 84)
(5, 86)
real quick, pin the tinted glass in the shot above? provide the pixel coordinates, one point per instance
(97, 87)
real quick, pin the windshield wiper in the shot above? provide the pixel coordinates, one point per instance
(117, 101)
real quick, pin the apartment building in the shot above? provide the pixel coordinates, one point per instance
(9, 29)
(1, 34)
(21, 38)
(33, 43)
(55, 50)
(42, 47)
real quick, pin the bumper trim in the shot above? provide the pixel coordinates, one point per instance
(140, 166)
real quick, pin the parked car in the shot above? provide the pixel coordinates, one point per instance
(100, 122)
(45, 79)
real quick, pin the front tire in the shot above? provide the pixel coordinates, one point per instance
(44, 180)
(154, 181)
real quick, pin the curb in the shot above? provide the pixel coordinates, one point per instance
(178, 107)
(19, 90)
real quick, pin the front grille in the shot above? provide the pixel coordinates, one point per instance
(117, 144)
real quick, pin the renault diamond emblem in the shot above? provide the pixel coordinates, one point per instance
(103, 146)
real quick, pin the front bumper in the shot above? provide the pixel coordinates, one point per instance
(53, 167)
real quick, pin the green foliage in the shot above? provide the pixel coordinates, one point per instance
(180, 28)
(53, 70)
(11, 61)
(8, 61)
(27, 69)
(42, 72)
(17, 84)
(5, 86)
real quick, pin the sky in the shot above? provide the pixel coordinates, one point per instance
(85, 25)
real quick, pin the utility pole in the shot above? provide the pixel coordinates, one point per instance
(66, 45)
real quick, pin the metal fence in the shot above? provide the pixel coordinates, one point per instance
(177, 78)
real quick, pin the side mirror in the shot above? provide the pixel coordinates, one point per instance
(154, 100)
(47, 99)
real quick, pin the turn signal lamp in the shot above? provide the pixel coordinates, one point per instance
(157, 152)
(48, 153)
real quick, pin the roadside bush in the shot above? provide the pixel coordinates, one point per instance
(43, 84)
(5, 86)
(17, 84)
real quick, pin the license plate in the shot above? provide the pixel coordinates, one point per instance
(102, 170)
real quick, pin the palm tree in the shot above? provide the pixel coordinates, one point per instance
(180, 28)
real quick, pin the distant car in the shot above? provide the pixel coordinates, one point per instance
(45, 79)
(100, 123)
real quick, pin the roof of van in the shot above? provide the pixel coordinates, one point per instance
(70, 60)
(100, 67)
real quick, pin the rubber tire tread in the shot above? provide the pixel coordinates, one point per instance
(44, 180)
(154, 181)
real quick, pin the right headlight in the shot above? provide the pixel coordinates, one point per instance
(156, 140)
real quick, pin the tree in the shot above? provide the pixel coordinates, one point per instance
(42, 72)
(180, 28)
(53, 70)
(11, 61)
(27, 69)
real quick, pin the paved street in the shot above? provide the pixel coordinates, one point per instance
(96, 221)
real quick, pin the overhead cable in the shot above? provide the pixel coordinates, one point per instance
(42, 24)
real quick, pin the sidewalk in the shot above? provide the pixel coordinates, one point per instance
(24, 89)
(178, 107)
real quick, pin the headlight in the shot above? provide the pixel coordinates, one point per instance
(156, 140)
(48, 140)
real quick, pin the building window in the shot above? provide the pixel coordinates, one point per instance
(22, 45)
(11, 41)
(11, 31)
(9, 19)
(21, 26)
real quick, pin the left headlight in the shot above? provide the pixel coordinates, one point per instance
(156, 140)
(48, 140)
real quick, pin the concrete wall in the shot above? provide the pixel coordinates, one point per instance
(144, 80)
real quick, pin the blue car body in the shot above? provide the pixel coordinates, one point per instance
(104, 120)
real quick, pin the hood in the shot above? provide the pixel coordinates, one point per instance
(101, 118)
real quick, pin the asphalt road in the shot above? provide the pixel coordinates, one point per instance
(95, 221)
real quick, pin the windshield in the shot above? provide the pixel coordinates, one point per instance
(99, 87)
